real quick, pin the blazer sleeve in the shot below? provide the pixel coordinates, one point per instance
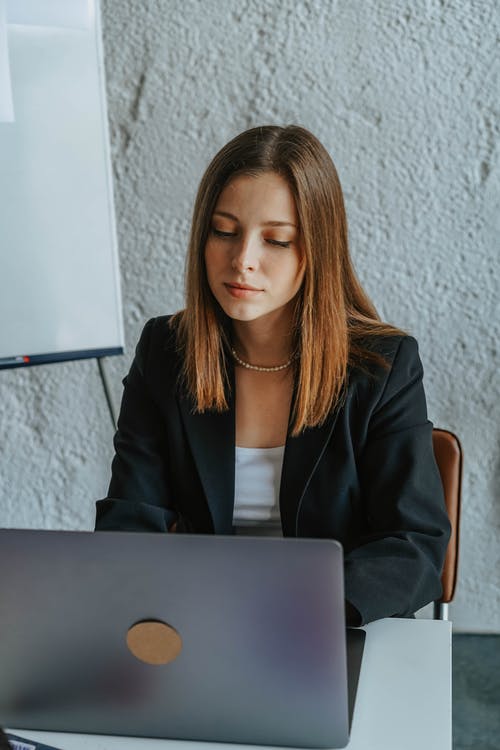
(138, 495)
(396, 567)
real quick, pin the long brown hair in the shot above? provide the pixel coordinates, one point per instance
(334, 318)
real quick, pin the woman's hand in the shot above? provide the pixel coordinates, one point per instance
(172, 529)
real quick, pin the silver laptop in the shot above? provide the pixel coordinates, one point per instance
(226, 639)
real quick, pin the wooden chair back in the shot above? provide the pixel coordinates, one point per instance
(448, 453)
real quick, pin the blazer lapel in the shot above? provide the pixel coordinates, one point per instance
(302, 454)
(211, 436)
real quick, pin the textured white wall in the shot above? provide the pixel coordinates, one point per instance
(405, 96)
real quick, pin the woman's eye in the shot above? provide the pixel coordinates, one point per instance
(278, 243)
(220, 233)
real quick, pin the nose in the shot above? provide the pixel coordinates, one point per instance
(245, 254)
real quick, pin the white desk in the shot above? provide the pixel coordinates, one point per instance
(403, 699)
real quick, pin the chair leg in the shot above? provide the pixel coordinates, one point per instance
(440, 611)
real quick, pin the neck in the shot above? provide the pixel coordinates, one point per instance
(260, 343)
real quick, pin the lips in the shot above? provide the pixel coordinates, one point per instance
(243, 286)
(241, 290)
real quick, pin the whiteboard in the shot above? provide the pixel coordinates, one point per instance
(59, 275)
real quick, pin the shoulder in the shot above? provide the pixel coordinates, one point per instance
(395, 362)
(381, 352)
(157, 345)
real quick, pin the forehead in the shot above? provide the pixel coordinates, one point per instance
(266, 195)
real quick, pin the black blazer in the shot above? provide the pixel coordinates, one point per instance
(367, 477)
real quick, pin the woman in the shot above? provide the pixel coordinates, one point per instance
(277, 402)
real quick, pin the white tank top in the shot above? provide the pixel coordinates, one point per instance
(257, 485)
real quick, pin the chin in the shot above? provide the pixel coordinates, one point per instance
(241, 312)
(243, 316)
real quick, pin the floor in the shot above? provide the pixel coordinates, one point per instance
(476, 692)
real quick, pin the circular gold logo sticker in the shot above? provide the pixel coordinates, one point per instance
(154, 642)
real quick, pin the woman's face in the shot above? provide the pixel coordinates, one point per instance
(253, 256)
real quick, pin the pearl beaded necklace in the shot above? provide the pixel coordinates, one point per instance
(259, 368)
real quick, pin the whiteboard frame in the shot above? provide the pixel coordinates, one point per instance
(27, 359)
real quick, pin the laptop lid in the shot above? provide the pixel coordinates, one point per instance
(253, 647)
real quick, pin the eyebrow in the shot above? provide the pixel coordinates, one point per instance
(265, 224)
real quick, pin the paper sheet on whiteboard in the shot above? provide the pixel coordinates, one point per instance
(59, 13)
(6, 104)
